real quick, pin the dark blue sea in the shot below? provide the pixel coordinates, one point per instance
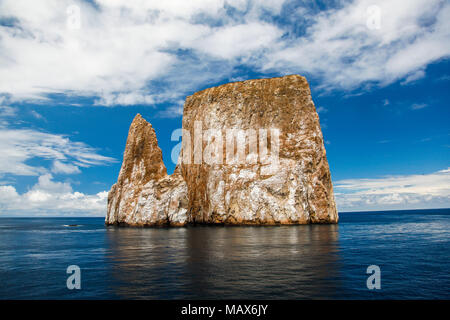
(411, 248)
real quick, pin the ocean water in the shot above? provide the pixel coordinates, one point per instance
(412, 249)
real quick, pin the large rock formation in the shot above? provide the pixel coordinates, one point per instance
(252, 153)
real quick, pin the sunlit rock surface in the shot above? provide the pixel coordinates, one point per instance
(144, 194)
(259, 159)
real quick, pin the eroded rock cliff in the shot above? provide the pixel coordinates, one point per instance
(144, 194)
(252, 153)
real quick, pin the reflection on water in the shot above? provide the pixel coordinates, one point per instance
(224, 262)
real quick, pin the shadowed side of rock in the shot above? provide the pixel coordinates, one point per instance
(144, 194)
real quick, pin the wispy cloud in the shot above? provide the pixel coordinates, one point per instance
(66, 168)
(172, 111)
(19, 146)
(414, 77)
(322, 110)
(418, 106)
(37, 115)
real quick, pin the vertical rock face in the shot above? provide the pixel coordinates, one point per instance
(144, 194)
(295, 188)
(252, 153)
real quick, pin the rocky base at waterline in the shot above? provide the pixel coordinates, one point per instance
(252, 154)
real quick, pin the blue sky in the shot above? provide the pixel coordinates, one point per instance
(73, 75)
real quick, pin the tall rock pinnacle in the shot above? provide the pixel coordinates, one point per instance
(144, 194)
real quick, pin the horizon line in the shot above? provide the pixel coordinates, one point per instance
(368, 211)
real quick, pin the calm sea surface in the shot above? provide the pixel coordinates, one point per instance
(412, 248)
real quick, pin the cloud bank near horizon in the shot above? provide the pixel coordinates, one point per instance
(395, 192)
